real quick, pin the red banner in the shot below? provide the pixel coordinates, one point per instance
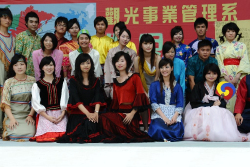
(159, 17)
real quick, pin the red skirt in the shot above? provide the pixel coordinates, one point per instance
(112, 126)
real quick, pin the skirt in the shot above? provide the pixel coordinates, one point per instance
(116, 131)
(211, 124)
(81, 130)
(47, 131)
(159, 131)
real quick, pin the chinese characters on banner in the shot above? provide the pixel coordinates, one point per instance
(169, 14)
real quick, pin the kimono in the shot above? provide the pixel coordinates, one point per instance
(205, 122)
(183, 52)
(169, 103)
(232, 59)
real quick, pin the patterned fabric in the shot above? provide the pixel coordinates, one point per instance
(101, 45)
(236, 50)
(130, 45)
(61, 41)
(196, 66)
(194, 46)
(26, 43)
(17, 97)
(183, 52)
(109, 71)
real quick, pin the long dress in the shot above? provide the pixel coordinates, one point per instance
(7, 45)
(79, 128)
(17, 97)
(127, 96)
(169, 103)
(51, 98)
(232, 59)
(205, 122)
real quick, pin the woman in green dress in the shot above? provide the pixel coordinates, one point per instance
(18, 123)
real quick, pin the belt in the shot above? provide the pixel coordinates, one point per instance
(231, 61)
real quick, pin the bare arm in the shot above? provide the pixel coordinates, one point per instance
(158, 59)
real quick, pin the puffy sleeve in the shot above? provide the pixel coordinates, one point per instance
(220, 59)
(74, 99)
(58, 61)
(19, 44)
(241, 96)
(98, 98)
(64, 96)
(141, 102)
(179, 99)
(107, 71)
(243, 68)
(98, 68)
(6, 96)
(72, 62)
(153, 96)
(36, 99)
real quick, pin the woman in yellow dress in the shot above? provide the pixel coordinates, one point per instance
(232, 58)
(117, 27)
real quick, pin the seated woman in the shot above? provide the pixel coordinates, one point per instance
(242, 105)
(122, 124)
(49, 99)
(84, 103)
(166, 97)
(48, 48)
(169, 51)
(208, 119)
(18, 124)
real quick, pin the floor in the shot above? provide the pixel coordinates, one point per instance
(128, 155)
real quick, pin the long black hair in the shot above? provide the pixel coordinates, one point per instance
(121, 25)
(83, 57)
(164, 62)
(148, 39)
(46, 61)
(14, 60)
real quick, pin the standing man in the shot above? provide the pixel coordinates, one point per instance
(100, 41)
(7, 45)
(200, 26)
(28, 41)
(61, 25)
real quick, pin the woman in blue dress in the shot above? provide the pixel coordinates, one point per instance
(166, 97)
(168, 51)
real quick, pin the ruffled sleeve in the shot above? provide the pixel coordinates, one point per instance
(98, 98)
(241, 97)
(153, 96)
(64, 96)
(6, 95)
(141, 102)
(36, 99)
(74, 99)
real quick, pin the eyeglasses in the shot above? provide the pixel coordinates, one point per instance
(61, 25)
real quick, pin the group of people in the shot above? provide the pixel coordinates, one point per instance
(97, 89)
